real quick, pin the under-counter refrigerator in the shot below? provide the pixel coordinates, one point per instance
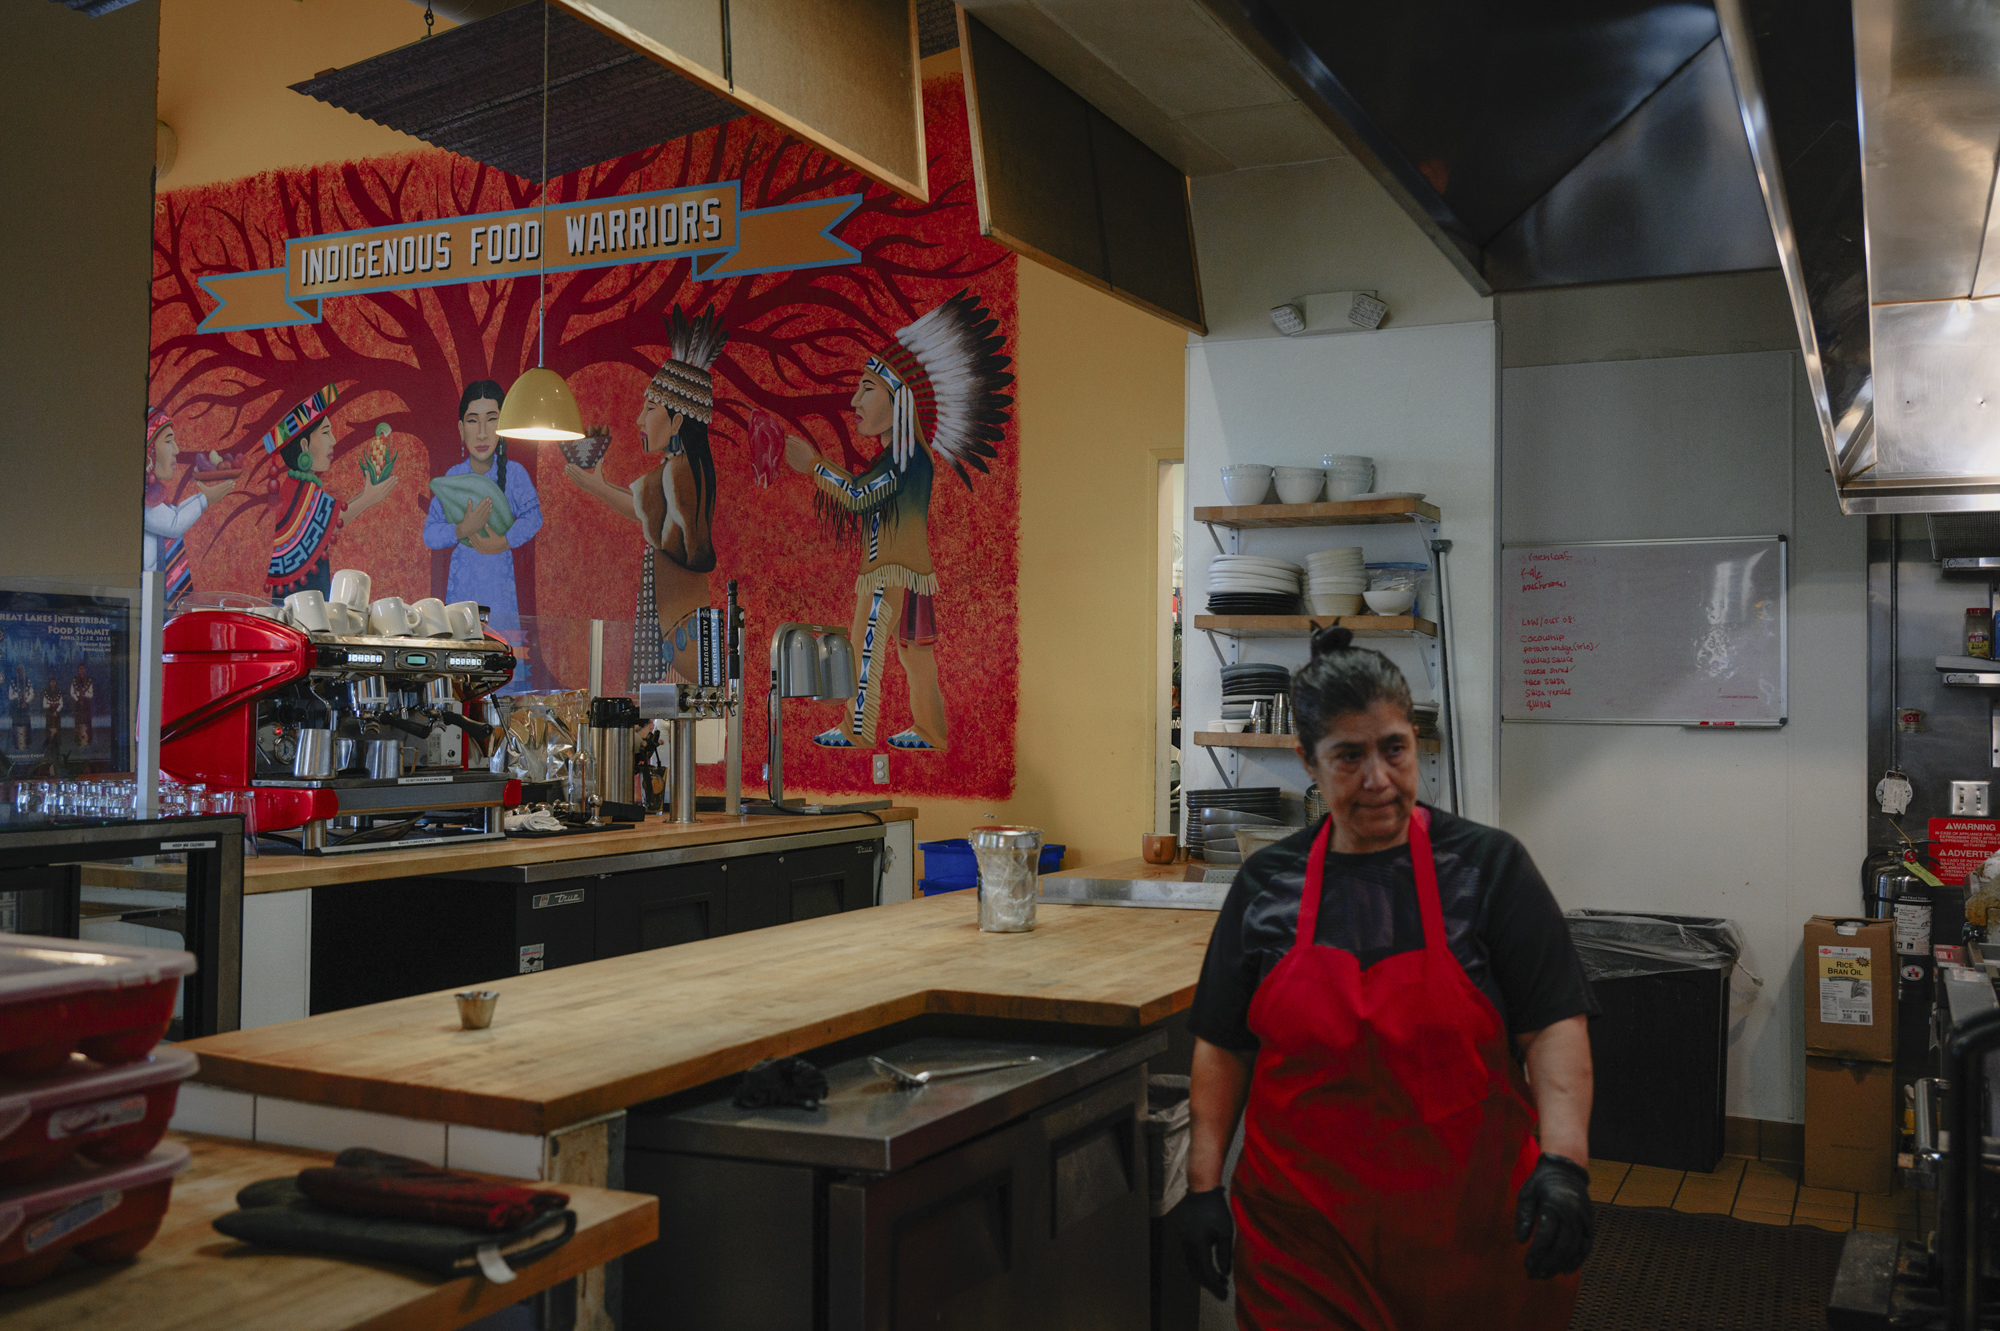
(1009, 1199)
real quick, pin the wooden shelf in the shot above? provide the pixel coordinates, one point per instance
(1303, 626)
(1222, 739)
(1351, 512)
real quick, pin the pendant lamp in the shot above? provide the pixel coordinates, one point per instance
(540, 405)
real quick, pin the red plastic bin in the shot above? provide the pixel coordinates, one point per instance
(110, 1115)
(102, 1213)
(59, 996)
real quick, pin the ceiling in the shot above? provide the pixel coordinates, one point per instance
(1171, 75)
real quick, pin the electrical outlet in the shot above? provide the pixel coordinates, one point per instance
(881, 769)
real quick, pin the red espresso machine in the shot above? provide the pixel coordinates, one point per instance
(330, 733)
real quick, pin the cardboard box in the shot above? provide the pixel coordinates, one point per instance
(1850, 988)
(1850, 1125)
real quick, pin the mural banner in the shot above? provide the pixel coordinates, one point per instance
(706, 225)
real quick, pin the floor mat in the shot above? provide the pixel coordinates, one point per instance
(1659, 1270)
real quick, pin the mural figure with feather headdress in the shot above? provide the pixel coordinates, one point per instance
(935, 393)
(673, 503)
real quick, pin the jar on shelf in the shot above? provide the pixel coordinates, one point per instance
(1979, 632)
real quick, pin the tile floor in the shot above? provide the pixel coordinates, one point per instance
(1765, 1191)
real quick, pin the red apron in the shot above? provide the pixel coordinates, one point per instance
(1388, 1133)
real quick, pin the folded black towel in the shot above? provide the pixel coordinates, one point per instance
(276, 1214)
(781, 1082)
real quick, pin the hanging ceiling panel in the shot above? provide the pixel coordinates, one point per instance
(476, 90)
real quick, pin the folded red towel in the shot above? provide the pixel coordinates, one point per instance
(411, 1190)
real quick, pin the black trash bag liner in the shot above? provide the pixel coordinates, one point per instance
(1621, 944)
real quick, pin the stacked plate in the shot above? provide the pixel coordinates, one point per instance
(1253, 585)
(1243, 685)
(1335, 580)
(1225, 809)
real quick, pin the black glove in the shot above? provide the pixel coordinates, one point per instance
(779, 1082)
(1555, 1207)
(1208, 1239)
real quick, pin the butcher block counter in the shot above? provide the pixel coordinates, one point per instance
(587, 1040)
(289, 873)
(192, 1277)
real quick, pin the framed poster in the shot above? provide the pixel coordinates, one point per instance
(66, 680)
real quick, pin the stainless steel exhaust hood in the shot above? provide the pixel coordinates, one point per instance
(1886, 231)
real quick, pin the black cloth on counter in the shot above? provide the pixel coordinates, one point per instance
(786, 1082)
(276, 1214)
(1500, 920)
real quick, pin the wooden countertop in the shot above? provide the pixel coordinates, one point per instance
(585, 1040)
(289, 873)
(191, 1278)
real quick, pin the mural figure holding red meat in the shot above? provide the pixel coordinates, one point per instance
(935, 392)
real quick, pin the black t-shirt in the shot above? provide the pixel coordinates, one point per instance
(1500, 921)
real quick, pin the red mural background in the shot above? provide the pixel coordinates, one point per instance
(796, 342)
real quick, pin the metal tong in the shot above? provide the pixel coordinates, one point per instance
(913, 1081)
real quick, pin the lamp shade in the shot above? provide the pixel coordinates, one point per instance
(540, 406)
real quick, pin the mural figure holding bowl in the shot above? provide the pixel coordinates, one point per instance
(168, 519)
(673, 503)
(935, 392)
(486, 517)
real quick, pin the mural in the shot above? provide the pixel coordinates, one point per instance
(836, 436)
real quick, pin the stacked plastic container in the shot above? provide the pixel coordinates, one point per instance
(86, 1090)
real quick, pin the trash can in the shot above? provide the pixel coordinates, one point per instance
(1176, 1297)
(1660, 1047)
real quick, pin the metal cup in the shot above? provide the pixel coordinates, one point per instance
(475, 1008)
(1260, 717)
(313, 758)
(385, 759)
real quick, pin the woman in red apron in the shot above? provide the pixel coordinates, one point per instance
(1399, 1170)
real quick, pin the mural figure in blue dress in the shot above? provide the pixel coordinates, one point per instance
(482, 563)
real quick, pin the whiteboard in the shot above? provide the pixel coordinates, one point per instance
(1644, 632)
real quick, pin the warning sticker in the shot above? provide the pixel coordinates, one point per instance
(1960, 845)
(1913, 928)
(1846, 994)
(531, 958)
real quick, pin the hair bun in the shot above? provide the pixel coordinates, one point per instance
(1332, 639)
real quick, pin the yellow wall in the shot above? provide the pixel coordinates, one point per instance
(1100, 403)
(226, 70)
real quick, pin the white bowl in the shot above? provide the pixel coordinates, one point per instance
(1232, 727)
(1391, 601)
(1300, 489)
(1346, 460)
(1337, 605)
(1246, 483)
(1342, 486)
